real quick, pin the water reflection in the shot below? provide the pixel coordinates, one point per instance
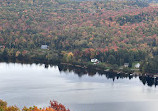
(76, 87)
(150, 81)
(146, 80)
(80, 71)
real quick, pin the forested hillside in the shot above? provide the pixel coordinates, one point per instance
(111, 31)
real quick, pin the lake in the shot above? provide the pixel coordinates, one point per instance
(79, 90)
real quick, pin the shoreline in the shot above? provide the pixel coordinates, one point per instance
(84, 65)
(88, 69)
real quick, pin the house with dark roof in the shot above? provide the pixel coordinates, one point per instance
(126, 64)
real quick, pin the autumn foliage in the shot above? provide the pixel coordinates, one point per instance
(54, 106)
(73, 25)
(77, 31)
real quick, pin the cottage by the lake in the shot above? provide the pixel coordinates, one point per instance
(126, 64)
(44, 46)
(95, 61)
(137, 65)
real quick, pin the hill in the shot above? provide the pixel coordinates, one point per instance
(114, 32)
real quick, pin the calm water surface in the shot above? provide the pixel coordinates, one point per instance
(28, 85)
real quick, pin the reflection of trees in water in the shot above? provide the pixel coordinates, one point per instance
(148, 80)
(79, 71)
(92, 71)
(109, 75)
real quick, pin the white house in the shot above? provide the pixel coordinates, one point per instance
(137, 65)
(94, 61)
(126, 64)
(44, 47)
